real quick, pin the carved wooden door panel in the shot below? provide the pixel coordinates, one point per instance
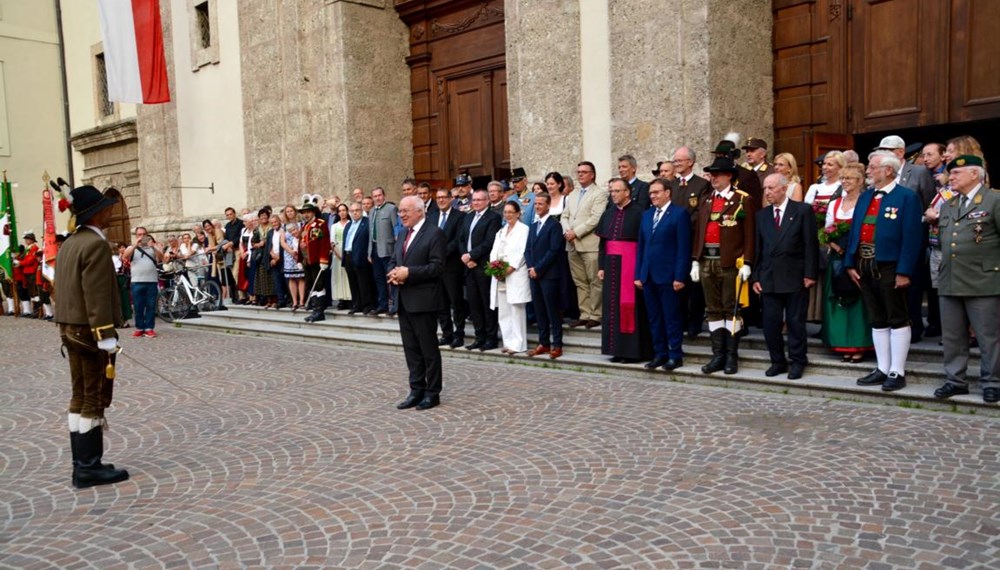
(975, 60)
(119, 230)
(501, 128)
(470, 124)
(899, 64)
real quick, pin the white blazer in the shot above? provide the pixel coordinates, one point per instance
(510, 248)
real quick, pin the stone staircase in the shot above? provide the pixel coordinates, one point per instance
(826, 376)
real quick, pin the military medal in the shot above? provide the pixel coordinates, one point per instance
(714, 217)
(891, 213)
(979, 232)
(693, 201)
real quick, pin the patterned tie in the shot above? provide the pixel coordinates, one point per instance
(777, 217)
(656, 218)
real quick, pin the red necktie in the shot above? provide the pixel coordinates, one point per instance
(406, 242)
(777, 217)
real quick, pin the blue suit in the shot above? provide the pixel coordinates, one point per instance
(543, 253)
(898, 238)
(664, 256)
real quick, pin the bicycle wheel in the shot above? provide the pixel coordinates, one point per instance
(163, 300)
(214, 296)
(180, 306)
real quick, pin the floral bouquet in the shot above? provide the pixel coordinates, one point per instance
(497, 269)
(833, 233)
(819, 209)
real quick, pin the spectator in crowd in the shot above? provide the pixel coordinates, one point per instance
(314, 246)
(193, 256)
(544, 248)
(969, 281)
(143, 256)
(882, 255)
(723, 252)
(934, 155)
(665, 170)
(579, 219)
(275, 256)
(122, 274)
(625, 333)
(367, 205)
(242, 265)
(357, 252)
(786, 165)
(426, 194)
(475, 243)
(555, 185)
(756, 153)
(846, 328)
(383, 221)
(357, 195)
(230, 250)
(494, 191)
(687, 191)
(511, 291)
(262, 285)
(341, 284)
(786, 266)
(819, 197)
(292, 267)
(627, 168)
(213, 237)
(452, 317)
(463, 190)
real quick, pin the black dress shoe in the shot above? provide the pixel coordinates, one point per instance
(459, 341)
(673, 364)
(492, 345)
(775, 369)
(616, 359)
(894, 382)
(991, 395)
(428, 403)
(315, 317)
(445, 341)
(949, 390)
(412, 400)
(655, 363)
(795, 372)
(475, 345)
(874, 378)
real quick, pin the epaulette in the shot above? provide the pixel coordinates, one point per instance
(740, 192)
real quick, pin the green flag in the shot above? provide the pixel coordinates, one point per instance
(8, 229)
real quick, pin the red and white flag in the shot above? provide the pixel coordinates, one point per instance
(133, 51)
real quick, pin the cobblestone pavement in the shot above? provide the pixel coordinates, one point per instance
(260, 453)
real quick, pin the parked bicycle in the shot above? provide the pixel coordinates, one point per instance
(180, 296)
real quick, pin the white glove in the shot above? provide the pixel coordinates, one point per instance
(745, 273)
(324, 266)
(109, 345)
(695, 272)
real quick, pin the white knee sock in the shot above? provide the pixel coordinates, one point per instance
(74, 422)
(48, 309)
(25, 307)
(87, 424)
(883, 349)
(715, 325)
(900, 349)
(10, 306)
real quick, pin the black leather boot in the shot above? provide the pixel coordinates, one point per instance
(718, 352)
(732, 353)
(89, 469)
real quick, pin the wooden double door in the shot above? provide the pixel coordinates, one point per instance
(458, 89)
(857, 67)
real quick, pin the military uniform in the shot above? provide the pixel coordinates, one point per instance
(87, 311)
(314, 245)
(969, 284)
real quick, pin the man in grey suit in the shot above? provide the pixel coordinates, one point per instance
(969, 280)
(383, 223)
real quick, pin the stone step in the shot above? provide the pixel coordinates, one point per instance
(825, 376)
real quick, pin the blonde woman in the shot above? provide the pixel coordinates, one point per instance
(819, 197)
(786, 165)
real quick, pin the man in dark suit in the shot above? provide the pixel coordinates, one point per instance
(415, 268)
(542, 256)
(687, 191)
(357, 250)
(452, 318)
(627, 167)
(475, 241)
(663, 263)
(787, 252)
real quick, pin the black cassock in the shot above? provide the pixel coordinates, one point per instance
(625, 326)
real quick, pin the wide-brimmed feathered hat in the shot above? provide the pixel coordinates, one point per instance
(311, 202)
(85, 201)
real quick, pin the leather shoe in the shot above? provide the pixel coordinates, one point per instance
(555, 353)
(775, 369)
(795, 372)
(577, 323)
(894, 382)
(428, 403)
(673, 364)
(459, 341)
(540, 349)
(489, 346)
(874, 378)
(655, 363)
(412, 400)
(475, 345)
(445, 341)
(592, 324)
(991, 395)
(617, 359)
(949, 390)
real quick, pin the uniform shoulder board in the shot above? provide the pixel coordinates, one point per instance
(741, 193)
(763, 167)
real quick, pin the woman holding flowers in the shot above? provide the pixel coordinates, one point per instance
(819, 197)
(846, 329)
(510, 290)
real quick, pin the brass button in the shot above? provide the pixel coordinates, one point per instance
(954, 233)
(952, 244)
(953, 255)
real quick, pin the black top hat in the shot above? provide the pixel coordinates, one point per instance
(722, 164)
(518, 174)
(87, 201)
(726, 148)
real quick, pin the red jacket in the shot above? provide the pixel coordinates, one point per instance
(315, 243)
(30, 261)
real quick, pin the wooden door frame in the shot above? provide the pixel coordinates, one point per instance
(441, 78)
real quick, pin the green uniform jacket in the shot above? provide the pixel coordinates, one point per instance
(86, 285)
(968, 268)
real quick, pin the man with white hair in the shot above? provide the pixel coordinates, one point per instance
(881, 257)
(969, 280)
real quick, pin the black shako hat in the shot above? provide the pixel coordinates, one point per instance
(87, 201)
(518, 174)
(722, 164)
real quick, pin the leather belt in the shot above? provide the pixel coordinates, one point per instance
(866, 251)
(711, 251)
